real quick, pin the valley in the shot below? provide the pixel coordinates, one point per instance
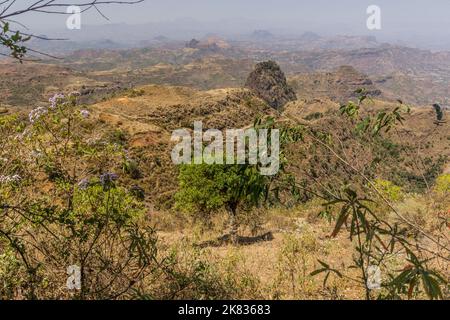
(415, 76)
(363, 153)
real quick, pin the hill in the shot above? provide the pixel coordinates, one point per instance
(415, 76)
(148, 117)
(281, 244)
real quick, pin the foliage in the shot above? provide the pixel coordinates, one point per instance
(414, 276)
(206, 188)
(376, 239)
(383, 121)
(443, 183)
(389, 189)
(66, 207)
(13, 41)
(191, 273)
(64, 201)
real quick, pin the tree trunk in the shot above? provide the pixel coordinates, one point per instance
(233, 224)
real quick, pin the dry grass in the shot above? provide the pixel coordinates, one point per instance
(280, 268)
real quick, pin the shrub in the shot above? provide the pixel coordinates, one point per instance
(443, 183)
(62, 205)
(389, 189)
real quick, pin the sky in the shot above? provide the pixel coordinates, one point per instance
(401, 19)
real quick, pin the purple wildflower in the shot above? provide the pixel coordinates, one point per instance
(10, 179)
(37, 113)
(84, 113)
(83, 184)
(107, 179)
(56, 99)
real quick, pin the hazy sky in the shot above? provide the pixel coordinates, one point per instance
(400, 18)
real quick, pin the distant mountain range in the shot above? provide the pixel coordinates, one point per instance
(127, 37)
(313, 64)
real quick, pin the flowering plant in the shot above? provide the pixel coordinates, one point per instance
(62, 204)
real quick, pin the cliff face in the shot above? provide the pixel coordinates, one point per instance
(339, 85)
(269, 83)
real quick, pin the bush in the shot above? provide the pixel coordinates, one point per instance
(443, 183)
(389, 190)
(62, 205)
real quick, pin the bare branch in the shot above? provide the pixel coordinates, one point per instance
(55, 7)
(14, 40)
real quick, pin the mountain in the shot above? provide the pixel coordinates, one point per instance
(414, 75)
(262, 35)
(339, 85)
(417, 77)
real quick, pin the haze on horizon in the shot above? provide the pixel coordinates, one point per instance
(416, 22)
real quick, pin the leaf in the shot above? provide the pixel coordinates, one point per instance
(341, 219)
(431, 286)
(323, 264)
(316, 272)
(333, 202)
(351, 193)
(326, 279)
(412, 285)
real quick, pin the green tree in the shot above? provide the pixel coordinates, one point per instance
(207, 188)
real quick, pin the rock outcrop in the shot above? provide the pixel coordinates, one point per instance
(340, 85)
(193, 44)
(269, 83)
(212, 43)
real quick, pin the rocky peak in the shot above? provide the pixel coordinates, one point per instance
(193, 44)
(269, 83)
(262, 35)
